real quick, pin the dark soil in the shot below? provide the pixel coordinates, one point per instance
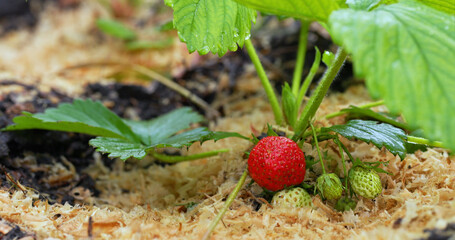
(26, 156)
(10, 231)
(446, 233)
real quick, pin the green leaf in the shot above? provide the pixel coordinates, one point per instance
(289, 105)
(167, 26)
(212, 25)
(302, 9)
(120, 137)
(414, 147)
(120, 148)
(362, 4)
(83, 116)
(156, 130)
(184, 139)
(270, 131)
(327, 58)
(447, 6)
(406, 53)
(115, 29)
(380, 134)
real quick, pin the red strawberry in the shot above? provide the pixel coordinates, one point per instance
(276, 162)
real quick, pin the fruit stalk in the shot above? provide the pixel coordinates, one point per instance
(317, 148)
(265, 82)
(340, 149)
(226, 206)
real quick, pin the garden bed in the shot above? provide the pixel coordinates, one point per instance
(54, 185)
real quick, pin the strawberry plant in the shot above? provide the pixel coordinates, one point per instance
(124, 138)
(404, 49)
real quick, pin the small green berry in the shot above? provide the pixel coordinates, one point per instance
(329, 185)
(292, 198)
(365, 182)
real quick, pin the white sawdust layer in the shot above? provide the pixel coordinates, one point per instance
(420, 192)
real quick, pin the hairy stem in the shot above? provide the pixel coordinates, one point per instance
(265, 82)
(175, 159)
(301, 52)
(368, 105)
(317, 148)
(226, 206)
(309, 78)
(346, 151)
(315, 101)
(425, 141)
(340, 149)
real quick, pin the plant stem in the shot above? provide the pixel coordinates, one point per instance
(340, 149)
(317, 148)
(425, 141)
(265, 82)
(301, 52)
(309, 78)
(226, 206)
(176, 159)
(347, 152)
(315, 101)
(368, 105)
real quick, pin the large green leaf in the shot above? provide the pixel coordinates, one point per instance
(120, 148)
(303, 9)
(380, 134)
(447, 6)
(120, 137)
(362, 4)
(406, 52)
(155, 130)
(125, 149)
(82, 116)
(212, 25)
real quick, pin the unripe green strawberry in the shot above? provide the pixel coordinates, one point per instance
(292, 198)
(365, 182)
(276, 163)
(329, 185)
(345, 204)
